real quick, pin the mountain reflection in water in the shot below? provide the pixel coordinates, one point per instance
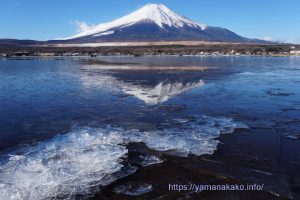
(154, 93)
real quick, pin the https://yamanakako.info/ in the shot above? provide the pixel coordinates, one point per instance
(221, 187)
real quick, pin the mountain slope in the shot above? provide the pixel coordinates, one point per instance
(157, 14)
(154, 22)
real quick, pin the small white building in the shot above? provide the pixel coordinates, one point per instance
(295, 52)
(46, 54)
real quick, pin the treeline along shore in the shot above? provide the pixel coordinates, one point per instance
(7, 50)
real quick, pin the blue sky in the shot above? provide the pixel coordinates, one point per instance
(49, 19)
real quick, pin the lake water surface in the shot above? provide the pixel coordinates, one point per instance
(72, 129)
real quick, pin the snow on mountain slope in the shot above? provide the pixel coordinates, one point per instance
(154, 13)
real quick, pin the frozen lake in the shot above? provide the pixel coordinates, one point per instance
(86, 127)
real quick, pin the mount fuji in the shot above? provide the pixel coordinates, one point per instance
(154, 22)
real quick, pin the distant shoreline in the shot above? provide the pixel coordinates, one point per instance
(201, 49)
(99, 56)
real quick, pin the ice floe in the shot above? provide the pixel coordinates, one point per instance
(81, 161)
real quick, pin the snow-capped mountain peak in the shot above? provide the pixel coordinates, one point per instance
(152, 23)
(161, 15)
(153, 13)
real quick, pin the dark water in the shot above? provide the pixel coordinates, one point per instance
(69, 129)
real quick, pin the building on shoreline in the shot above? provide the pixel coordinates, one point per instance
(46, 54)
(295, 51)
